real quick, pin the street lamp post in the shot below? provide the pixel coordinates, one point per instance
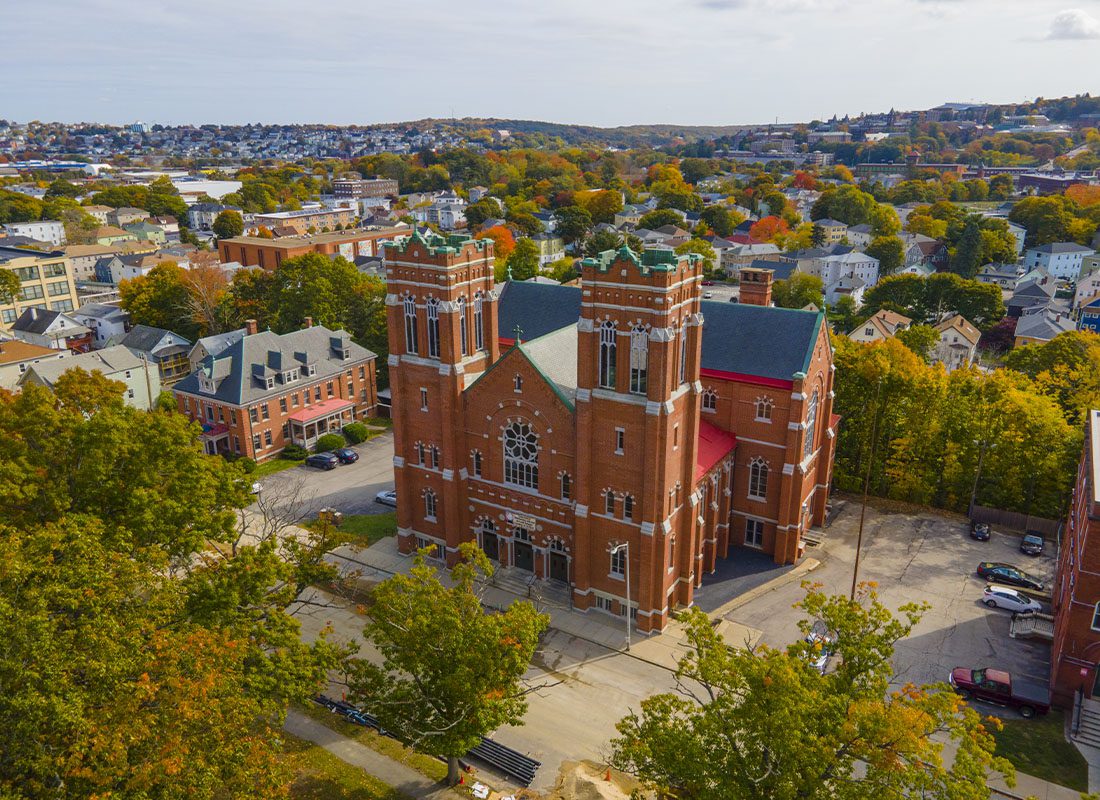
(625, 549)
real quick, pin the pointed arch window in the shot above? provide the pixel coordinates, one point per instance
(609, 503)
(758, 479)
(764, 409)
(479, 329)
(628, 507)
(811, 426)
(429, 505)
(566, 486)
(710, 400)
(521, 455)
(433, 327)
(607, 355)
(463, 327)
(639, 359)
(411, 344)
(683, 352)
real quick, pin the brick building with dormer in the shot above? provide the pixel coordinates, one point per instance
(554, 424)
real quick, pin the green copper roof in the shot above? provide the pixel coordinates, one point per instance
(655, 259)
(439, 245)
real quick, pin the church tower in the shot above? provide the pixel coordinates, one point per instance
(441, 312)
(637, 419)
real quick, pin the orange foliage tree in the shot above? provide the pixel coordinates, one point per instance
(503, 240)
(766, 229)
(1084, 195)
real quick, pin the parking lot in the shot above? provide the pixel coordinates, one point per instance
(919, 558)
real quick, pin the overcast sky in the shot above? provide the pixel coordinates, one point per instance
(600, 62)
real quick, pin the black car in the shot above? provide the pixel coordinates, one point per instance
(1032, 545)
(1008, 574)
(346, 455)
(322, 461)
(979, 531)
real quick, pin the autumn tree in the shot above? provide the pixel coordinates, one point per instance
(720, 219)
(602, 206)
(1067, 369)
(450, 672)
(768, 228)
(228, 224)
(10, 286)
(504, 242)
(763, 722)
(921, 339)
(798, 291)
(160, 299)
(701, 247)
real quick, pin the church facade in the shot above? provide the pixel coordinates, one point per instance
(621, 430)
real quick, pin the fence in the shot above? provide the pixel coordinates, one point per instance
(1014, 520)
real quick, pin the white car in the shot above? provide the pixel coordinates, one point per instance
(257, 487)
(387, 498)
(996, 596)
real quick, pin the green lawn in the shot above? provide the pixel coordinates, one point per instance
(1038, 747)
(319, 775)
(426, 765)
(384, 422)
(271, 466)
(366, 529)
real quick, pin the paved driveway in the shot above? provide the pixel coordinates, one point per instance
(913, 558)
(349, 488)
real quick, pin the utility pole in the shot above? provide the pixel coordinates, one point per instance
(866, 490)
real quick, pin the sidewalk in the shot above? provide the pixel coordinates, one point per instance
(381, 560)
(404, 779)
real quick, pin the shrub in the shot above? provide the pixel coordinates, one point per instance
(294, 452)
(356, 432)
(330, 441)
(248, 465)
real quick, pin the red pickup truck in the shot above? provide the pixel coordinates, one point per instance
(996, 686)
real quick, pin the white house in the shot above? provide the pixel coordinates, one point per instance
(141, 378)
(883, 325)
(104, 320)
(43, 230)
(1060, 259)
(958, 343)
(860, 235)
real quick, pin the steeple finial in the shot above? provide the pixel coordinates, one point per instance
(518, 331)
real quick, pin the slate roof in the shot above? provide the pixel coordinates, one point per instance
(1043, 327)
(1061, 247)
(733, 333)
(109, 361)
(39, 320)
(218, 342)
(147, 339)
(782, 269)
(240, 371)
(103, 311)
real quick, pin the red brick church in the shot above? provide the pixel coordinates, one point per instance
(553, 424)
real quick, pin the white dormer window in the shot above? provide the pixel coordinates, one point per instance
(312, 370)
(347, 353)
(270, 382)
(288, 377)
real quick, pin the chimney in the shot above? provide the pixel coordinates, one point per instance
(756, 286)
(309, 322)
(250, 327)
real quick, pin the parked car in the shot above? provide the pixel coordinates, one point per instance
(708, 295)
(708, 283)
(824, 642)
(322, 461)
(1031, 545)
(1008, 574)
(387, 498)
(256, 487)
(996, 596)
(979, 531)
(996, 686)
(346, 455)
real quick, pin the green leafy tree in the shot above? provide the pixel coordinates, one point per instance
(703, 248)
(844, 315)
(483, 209)
(817, 235)
(450, 672)
(523, 262)
(574, 223)
(967, 257)
(1000, 187)
(921, 339)
(763, 722)
(798, 291)
(160, 299)
(602, 206)
(890, 252)
(601, 241)
(10, 286)
(1066, 369)
(659, 218)
(228, 224)
(720, 219)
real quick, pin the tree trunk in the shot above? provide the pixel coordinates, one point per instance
(454, 772)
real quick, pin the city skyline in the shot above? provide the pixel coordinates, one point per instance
(746, 61)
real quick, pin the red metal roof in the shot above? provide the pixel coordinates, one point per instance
(323, 409)
(714, 445)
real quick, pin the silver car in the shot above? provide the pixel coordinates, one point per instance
(1009, 599)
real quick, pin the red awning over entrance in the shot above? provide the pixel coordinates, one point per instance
(714, 445)
(319, 410)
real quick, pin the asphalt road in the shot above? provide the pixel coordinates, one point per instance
(349, 488)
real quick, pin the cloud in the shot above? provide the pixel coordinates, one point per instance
(1074, 23)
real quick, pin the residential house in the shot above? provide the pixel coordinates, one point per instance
(1030, 297)
(1087, 288)
(162, 347)
(266, 390)
(880, 326)
(49, 231)
(1041, 326)
(201, 216)
(1089, 265)
(630, 215)
(744, 254)
(476, 193)
(307, 220)
(860, 235)
(147, 232)
(105, 320)
(924, 250)
(98, 213)
(1075, 602)
(213, 345)
(83, 258)
(120, 217)
(844, 271)
(847, 286)
(1061, 259)
(54, 329)
(1088, 318)
(141, 379)
(833, 230)
(17, 356)
(110, 234)
(958, 345)
(551, 247)
(46, 280)
(1005, 276)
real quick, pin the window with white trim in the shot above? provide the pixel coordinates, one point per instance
(764, 409)
(476, 456)
(620, 441)
(429, 505)
(521, 455)
(433, 327)
(435, 457)
(423, 399)
(618, 562)
(479, 329)
(607, 354)
(639, 360)
(754, 533)
(683, 352)
(463, 326)
(410, 326)
(628, 507)
(609, 503)
(758, 479)
(420, 453)
(566, 486)
(811, 426)
(710, 400)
